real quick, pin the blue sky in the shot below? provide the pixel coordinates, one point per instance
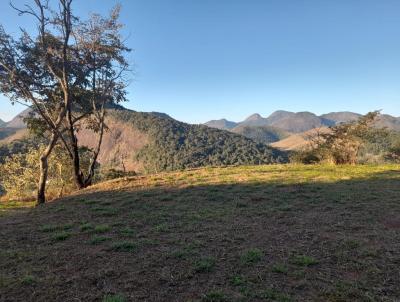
(202, 60)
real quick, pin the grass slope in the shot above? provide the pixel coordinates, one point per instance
(252, 233)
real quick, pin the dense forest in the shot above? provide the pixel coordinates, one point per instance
(176, 145)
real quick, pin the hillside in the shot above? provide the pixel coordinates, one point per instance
(300, 122)
(298, 141)
(18, 121)
(388, 121)
(155, 142)
(2, 123)
(260, 233)
(341, 117)
(262, 134)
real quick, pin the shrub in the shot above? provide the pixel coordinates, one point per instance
(19, 173)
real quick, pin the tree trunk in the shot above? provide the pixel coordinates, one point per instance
(41, 197)
(89, 179)
(44, 167)
(78, 176)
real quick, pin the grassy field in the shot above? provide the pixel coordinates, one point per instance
(259, 233)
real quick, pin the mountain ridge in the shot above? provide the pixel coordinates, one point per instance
(298, 122)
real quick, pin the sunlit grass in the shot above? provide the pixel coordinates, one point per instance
(286, 174)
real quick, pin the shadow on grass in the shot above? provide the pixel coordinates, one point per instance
(331, 241)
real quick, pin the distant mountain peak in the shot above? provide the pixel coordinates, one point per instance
(254, 117)
(281, 112)
(222, 124)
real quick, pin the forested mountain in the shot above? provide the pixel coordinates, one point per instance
(222, 124)
(156, 142)
(263, 134)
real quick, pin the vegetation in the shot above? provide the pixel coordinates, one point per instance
(351, 143)
(175, 145)
(248, 233)
(262, 134)
(68, 72)
(18, 173)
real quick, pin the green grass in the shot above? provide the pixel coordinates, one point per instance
(103, 228)
(251, 256)
(303, 260)
(274, 295)
(86, 227)
(95, 240)
(114, 298)
(280, 268)
(204, 265)
(237, 280)
(28, 280)
(127, 232)
(124, 246)
(215, 296)
(240, 234)
(49, 228)
(61, 236)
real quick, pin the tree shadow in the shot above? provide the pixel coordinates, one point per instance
(318, 241)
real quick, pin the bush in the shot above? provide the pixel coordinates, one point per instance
(19, 174)
(351, 143)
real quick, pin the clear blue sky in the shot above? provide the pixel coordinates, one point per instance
(202, 60)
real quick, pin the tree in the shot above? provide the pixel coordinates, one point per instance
(68, 73)
(101, 50)
(340, 144)
(35, 71)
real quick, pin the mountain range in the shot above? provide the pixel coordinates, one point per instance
(292, 128)
(294, 122)
(155, 142)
